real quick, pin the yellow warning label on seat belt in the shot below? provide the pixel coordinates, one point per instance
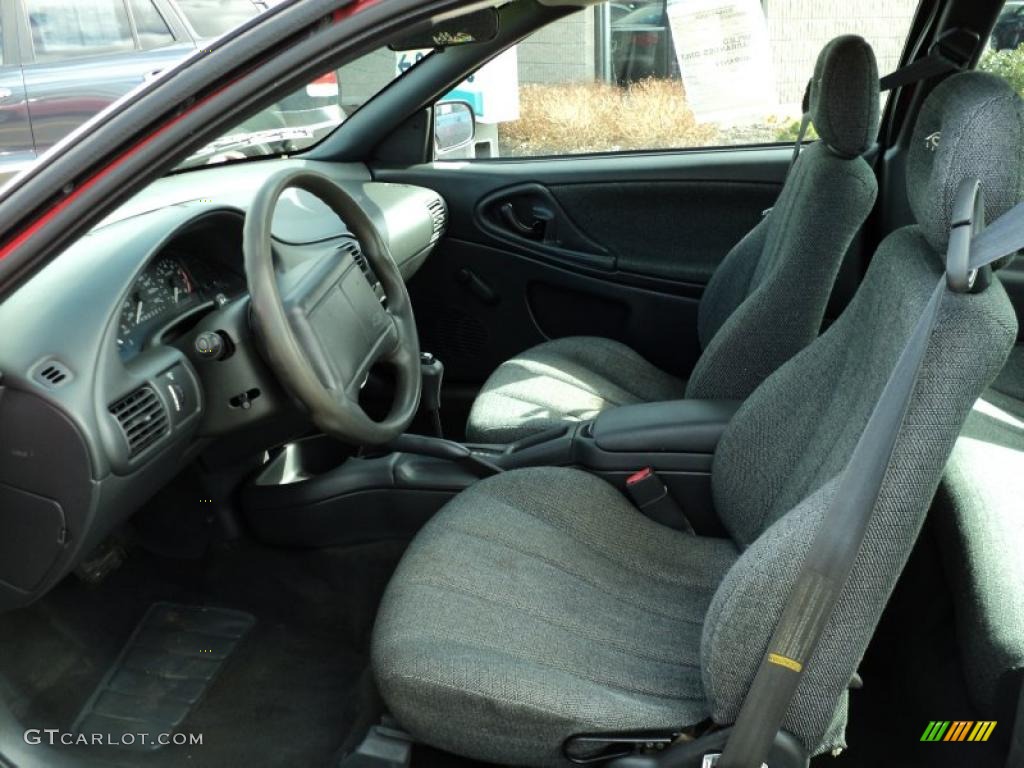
(785, 661)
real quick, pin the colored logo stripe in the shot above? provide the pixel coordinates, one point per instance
(958, 730)
(935, 731)
(982, 730)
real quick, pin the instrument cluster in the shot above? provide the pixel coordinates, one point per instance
(169, 288)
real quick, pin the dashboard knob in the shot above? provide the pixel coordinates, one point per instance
(210, 346)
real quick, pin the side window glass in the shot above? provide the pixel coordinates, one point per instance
(150, 25)
(213, 18)
(1005, 53)
(66, 29)
(668, 74)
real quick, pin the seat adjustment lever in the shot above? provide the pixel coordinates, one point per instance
(588, 749)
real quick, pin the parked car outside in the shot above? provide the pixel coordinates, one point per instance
(642, 45)
(1008, 32)
(63, 61)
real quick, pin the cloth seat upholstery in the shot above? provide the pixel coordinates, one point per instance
(524, 613)
(980, 526)
(563, 381)
(764, 303)
(511, 585)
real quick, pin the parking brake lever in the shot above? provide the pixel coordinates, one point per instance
(422, 445)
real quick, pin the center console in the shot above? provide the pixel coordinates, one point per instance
(311, 494)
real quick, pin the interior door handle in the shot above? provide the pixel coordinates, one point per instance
(533, 231)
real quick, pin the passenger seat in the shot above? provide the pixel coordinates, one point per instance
(764, 303)
(980, 523)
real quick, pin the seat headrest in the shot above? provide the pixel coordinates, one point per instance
(970, 127)
(843, 97)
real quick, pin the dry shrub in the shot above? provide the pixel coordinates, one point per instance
(601, 117)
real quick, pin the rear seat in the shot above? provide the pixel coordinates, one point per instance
(979, 515)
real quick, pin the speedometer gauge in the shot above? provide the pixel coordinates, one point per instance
(174, 279)
(164, 287)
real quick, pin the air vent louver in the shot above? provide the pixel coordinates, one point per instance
(52, 374)
(357, 256)
(439, 214)
(143, 419)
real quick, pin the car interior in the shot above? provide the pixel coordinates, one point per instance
(359, 456)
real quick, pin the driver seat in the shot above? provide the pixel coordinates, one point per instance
(764, 303)
(539, 604)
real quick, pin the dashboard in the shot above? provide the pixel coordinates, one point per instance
(175, 283)
(106, 388)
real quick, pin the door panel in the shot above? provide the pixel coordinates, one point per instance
(677, 230)
(617, 246)
(534, 301)
(530, 219)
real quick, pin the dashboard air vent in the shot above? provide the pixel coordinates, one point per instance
(52, 374)
(352, 248)
(439, 215)
(143, 419)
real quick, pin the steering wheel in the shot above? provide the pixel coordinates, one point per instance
(322, 325)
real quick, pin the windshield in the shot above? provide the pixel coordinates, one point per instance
(306, 116)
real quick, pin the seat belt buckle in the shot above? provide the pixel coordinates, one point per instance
(651, 496)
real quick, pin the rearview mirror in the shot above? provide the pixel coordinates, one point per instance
(454, 125)
(477, 27)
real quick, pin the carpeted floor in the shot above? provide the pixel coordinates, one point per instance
(293, 693)
(297, 690)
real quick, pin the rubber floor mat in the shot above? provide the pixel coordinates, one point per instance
(168, 664)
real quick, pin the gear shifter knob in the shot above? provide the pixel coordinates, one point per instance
(432, 370)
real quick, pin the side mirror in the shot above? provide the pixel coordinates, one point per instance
(454, 126)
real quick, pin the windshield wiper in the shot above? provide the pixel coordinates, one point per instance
(240, 141)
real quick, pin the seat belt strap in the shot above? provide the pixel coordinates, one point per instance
(801, 136)
(833, 551)
(950, 53)
(932, 65)
(1004, 237)
(805, 122)
(828, 562)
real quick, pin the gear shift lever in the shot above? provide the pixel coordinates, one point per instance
(433, 373)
